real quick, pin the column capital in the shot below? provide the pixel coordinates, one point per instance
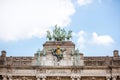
(38, 77)
(72, 77)
(78, 77)
(9, 76)
(4, 77)
(108, 77)
(43, 77)
(114, 77)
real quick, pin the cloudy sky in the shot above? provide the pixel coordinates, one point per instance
(95, 25)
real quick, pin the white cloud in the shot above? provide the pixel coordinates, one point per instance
(22, 19)
(84, 2)
(85, 39)
(102, 39)
(81, 39)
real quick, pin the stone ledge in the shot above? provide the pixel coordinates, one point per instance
(60, 43)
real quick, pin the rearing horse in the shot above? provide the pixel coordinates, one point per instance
(49, 35)
(69, 35)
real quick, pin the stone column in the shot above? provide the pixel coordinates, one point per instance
(72, 78)
(114, 78)
(43, 78)
(78, 78)
(4, 77)
(108, 78)
(10, 77)
(38, 78)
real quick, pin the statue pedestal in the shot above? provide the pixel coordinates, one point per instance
(68, 45)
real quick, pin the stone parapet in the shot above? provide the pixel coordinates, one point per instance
(60, 43)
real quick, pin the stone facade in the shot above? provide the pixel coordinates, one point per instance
(73, 66)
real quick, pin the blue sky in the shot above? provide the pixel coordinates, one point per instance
(95, 25)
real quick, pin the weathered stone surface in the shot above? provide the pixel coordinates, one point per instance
(73, 66)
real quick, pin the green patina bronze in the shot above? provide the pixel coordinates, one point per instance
(38, 57)
(59, 34)
(49, 35)
(58, 52)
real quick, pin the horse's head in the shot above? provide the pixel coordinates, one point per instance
(69, 33)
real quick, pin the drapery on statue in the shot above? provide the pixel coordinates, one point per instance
(59, 34)
(58, 52)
